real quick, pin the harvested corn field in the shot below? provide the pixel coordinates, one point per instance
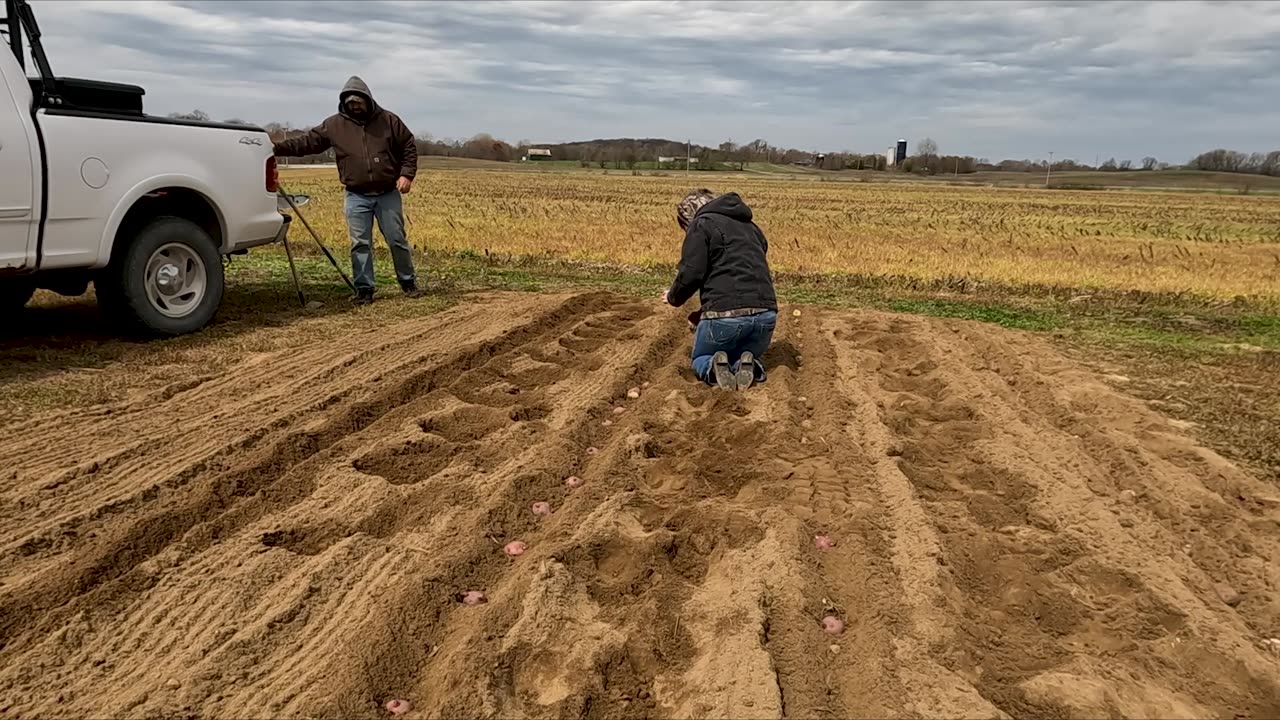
(1201, 244)
(913, 517)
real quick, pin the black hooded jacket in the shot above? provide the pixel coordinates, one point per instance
(724, 260)
(372, 153)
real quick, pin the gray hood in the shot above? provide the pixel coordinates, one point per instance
(358, 86)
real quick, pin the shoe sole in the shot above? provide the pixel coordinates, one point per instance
(725, 379)
(746, 371)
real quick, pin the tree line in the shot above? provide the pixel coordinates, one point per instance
(1231, 161)
(632, 153)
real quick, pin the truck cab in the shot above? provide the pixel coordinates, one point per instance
(96, 191)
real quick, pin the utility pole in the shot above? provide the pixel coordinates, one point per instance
(1049, 170)
(957, 166)
(688, 152)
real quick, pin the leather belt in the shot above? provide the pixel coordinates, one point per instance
(740, 312)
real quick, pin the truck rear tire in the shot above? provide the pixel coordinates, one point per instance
(168, 281)
(15, 294)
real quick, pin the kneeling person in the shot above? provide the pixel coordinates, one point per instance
(724, 261)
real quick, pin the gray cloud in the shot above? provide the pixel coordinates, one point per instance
(995, 79)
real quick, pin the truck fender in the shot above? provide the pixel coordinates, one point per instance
(150, 185)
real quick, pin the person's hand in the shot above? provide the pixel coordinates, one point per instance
(665, 301)
(404, 185)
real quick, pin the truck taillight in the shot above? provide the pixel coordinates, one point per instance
(273, 175)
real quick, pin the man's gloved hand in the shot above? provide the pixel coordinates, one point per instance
(694, 317)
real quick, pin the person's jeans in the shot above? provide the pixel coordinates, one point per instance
(388, 210)
(733, 336)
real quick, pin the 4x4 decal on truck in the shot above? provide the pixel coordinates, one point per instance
(250, 141)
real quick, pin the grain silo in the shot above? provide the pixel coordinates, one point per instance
(902, 151)
(890, 156)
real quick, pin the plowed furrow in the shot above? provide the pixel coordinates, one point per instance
(255, 484)
(829, 488)
(1011, 536)
(81, 478)
(1036, 566)
(442, 644)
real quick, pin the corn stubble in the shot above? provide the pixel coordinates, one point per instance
(1202, 243)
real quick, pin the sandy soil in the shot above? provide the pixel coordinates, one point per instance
(1013, 537)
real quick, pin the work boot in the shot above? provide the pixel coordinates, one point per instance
(364, 296)
(410, 289)
(746, 370)
(725, 379)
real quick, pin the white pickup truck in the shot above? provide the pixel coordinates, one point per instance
(94, 190)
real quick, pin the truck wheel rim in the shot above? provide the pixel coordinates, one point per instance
(176, 280)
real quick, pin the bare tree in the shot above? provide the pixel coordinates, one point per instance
(1149, 163)
(728, 151)
(275, 131)
(1126, 164)
(926, 158)
(1271, 165)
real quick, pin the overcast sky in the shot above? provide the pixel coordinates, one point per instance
(991, 79)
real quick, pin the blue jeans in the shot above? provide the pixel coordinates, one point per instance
(388, 210)
(733, 336)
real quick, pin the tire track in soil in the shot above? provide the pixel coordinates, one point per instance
(220, 505)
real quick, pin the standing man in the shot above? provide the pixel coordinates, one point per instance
(724, 261)
(377, 161)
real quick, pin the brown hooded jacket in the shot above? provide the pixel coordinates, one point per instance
(372, 153)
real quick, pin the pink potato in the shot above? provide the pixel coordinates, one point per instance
(542, 508)
(619, 410)
(573, 481)
(514, 548)
(607, 423)
(644, 384)
(474, 597)
(398, 707)
(633, 393)
(824, 542)
(832, 625)
(592, 451)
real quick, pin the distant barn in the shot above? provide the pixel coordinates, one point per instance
(538, 154)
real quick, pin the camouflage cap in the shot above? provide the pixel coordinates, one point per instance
(689, 206)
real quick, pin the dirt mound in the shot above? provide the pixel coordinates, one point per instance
(1012, 537)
